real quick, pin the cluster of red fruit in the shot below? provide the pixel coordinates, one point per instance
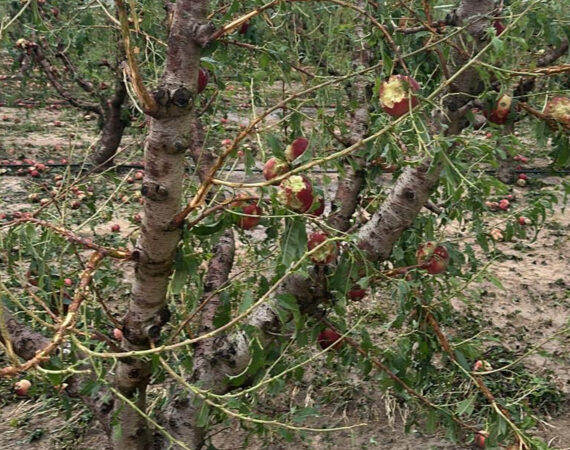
(432, 257)
(295, 192)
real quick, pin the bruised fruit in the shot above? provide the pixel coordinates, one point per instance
(202, 79)
(296, 148)
(274, 167)
(329, 337)
(479, 440)
(432, 257)
(22, 387)
(318, 206)
(397, 95)
(251, 216)
(326, 254)
(559, 109)
(296, 193)
(500, 112)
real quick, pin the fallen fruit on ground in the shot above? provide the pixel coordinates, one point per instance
(479, 440)
(115, 228)
(117, 334)
(326, 254)
(296, 148)
(356, 293)
(296, 193)
(275, 167)
(21, 387)
(397, 95)
(328, 337)
(504, 204)
(432, 257)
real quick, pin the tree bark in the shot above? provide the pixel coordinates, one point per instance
(168, 139)
(112, 132)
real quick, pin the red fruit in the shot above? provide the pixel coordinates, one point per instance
(137, 217)
(479, 440)
(118, 334)
(504, 204)
(68, 282)
(34, 173)
(275, 167)
(57, 123)
(432, 257)
(559, 109)
(499, 27)
(356, 293)
(115, 228)
(524, 220)
(243, 28)
(396, 95)
(328, 337)
(296, 193)
(500, 112)
(318, 207)
(202, 79)
(523, 176)
(296, 149)
(21, 387)
(326, 254)
(251, 217)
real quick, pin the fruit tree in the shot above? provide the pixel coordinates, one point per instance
(322, 182)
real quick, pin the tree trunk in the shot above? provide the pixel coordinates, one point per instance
(168, 139)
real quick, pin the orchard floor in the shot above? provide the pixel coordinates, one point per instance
(534, 305)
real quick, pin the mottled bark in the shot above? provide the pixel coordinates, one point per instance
(168, 139)
(352, 181)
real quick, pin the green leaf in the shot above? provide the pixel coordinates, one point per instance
(461, 360)
(203, 416)
(466, 406)
(294, 241)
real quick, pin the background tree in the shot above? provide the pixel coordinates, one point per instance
(237, 323)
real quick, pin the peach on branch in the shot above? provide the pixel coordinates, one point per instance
(296, 193)
(432, 257)
(251, 216)
(397, 95)
(559, 109)
(296, 148)
(275, 167)
(500, 112)
(326, 254)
